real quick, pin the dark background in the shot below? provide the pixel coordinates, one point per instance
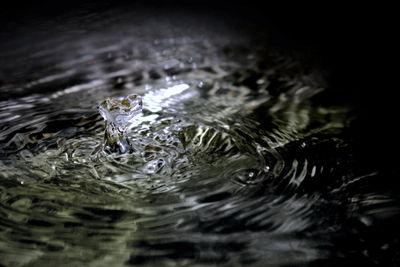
(352, 42)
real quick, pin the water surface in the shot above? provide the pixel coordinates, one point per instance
(238, 157)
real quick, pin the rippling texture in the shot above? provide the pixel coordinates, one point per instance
(235, 160)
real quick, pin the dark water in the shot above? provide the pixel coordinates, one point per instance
(239, 158)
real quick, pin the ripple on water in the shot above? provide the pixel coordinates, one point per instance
(233, 161)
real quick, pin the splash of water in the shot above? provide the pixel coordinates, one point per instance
(117, 111)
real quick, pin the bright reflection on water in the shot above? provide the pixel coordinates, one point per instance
(156, 100)
(235, 160)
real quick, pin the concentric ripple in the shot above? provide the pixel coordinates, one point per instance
(234, 161)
